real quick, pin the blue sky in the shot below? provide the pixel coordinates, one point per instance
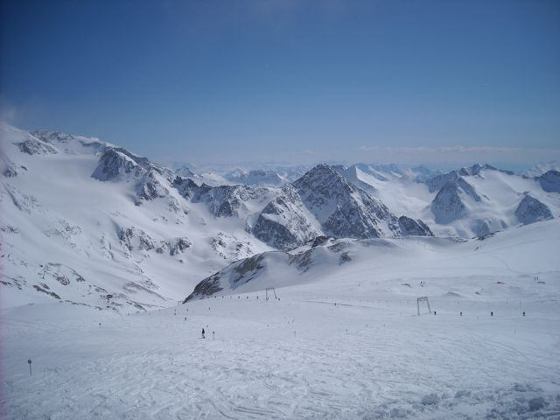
(290, 80)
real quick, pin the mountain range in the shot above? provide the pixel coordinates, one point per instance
(88, 222)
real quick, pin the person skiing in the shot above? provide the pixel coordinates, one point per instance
(203, 335)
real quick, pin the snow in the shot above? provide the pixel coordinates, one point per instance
(54, 204)
(342, 340)
(345, 344)
(500, 194)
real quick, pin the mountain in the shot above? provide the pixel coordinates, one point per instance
(550, 181)
(466, 202)
(530, 210)
(351, 266)
(448, 205)
(119, 232)
(285, 222)
(126, 233)
(257, 177)
(342, 209)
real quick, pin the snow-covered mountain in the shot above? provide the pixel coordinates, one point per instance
(88, 222)
(256, 177)
(466, 202)
(323, 260)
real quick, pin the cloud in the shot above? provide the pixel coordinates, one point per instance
(457, 154)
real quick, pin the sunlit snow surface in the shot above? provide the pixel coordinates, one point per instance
(368, 356)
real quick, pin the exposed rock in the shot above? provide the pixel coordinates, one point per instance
(550, 181)
(531, 210)
(116, 163)
(34, 146)
(174, 246)
(135, 239)
(225, 200)
(437, 182)
(342, 209)
(448, 205)
(151, 186)
(413, 227)
(61, 273)
(284, 223)
(185, 186)
(206, 287)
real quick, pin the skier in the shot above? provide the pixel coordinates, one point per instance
(203, 335)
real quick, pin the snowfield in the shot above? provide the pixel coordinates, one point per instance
(344, 342)
(99, 247)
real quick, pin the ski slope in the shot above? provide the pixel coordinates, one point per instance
(341, 343)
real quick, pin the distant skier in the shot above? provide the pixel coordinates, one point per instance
(203, 334)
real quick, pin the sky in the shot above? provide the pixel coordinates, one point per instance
(295, 81)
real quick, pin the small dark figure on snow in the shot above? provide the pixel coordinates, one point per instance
(203, 333)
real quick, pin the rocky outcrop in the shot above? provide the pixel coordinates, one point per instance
(342, 209)
(34, 146)
(225, 200)
(448, 205)
(117, 163)
(413, 227)
(550, 181)
(174, 246)
(135, 239)
(285, 223)
(151, 186)
(437, 182)
(531, 210)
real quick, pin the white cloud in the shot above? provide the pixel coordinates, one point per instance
(456, 154)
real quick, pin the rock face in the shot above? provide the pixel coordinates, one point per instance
(34, 146)
(174, 246)
(413, 227)
(325, 202)
(531, 210)
(117, 163)
(233, 276)
(284, 222)
(550, 181)
(151, 186)
(225, 200)
(135, 239)
(437, 182)
(342, 209)
(448, 204)
(150, 181)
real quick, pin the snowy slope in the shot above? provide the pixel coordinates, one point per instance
(87, 223)
(519, 252)
(467, 202)
(345, 343)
